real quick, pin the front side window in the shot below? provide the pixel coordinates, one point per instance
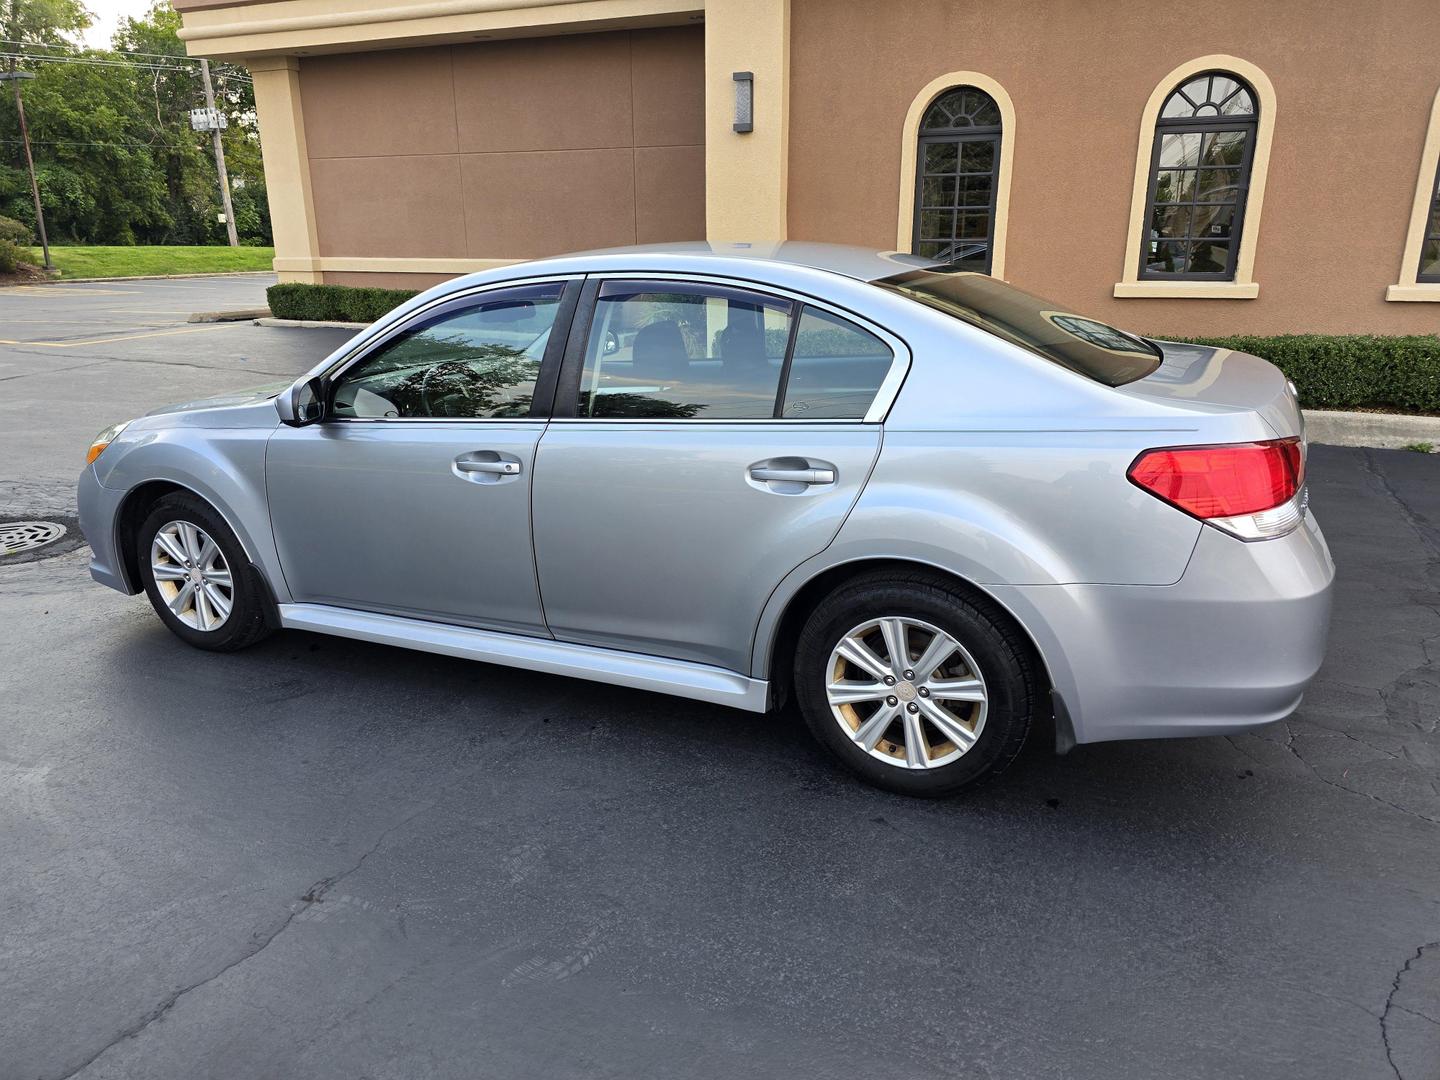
(1430, 245)
(479, 361)
(956, 173)
(1199, 178)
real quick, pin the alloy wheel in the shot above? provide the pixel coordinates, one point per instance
(906, 692)
(192, 575)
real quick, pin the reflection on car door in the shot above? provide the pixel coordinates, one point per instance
(673, 492)
(412, 497)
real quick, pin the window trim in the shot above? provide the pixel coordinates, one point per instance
(1242, 285)
(910, 160)
(541, 402)
(1409, 285)
(572, 366)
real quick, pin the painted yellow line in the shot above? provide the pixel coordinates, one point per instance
(123, 337)
(59, 290)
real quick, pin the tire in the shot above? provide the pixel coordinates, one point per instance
(247, 620)
(989, 650)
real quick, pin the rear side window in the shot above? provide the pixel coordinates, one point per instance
(667, 350)
(1086, 346)
(835, 370)
(672, 350)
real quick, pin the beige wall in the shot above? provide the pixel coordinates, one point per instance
(1354, 94)
(506, 150)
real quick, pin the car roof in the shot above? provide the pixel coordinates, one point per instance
(860, 263)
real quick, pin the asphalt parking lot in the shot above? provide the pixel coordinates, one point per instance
(324, 858)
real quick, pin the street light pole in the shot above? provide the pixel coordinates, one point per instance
(219, 157)
(17, 77)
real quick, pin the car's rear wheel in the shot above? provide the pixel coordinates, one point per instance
(914, 685)
(197, 577)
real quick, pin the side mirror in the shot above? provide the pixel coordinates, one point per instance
(302, 404)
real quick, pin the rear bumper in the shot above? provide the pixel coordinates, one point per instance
(1229, 647)
(97, 507)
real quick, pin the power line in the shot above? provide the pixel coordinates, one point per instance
(96, 62)
(108, 145)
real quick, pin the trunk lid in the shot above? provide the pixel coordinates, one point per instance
(1221, 379)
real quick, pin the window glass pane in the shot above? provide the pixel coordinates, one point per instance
(1168, 256)
(1170, 222)
(1430, 258)
(673, 351)
(836, 370)
(1217, 185)
(1208, 222)
(1242, 103)
(1179, 150)
(941, 157)
(481, 361)
(937, 224)
(975, 191)
(977, 156)
(938, 191)
(973, 226)
(960, 108)
(1210, 256)
(1224, 148)
(1175, 185)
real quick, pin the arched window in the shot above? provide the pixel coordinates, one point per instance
(957, 177)
(1199, 179)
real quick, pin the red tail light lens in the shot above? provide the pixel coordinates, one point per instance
(1223, 481)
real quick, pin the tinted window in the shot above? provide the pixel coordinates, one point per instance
(668, 350)
(476, 362)
(836, 370)
(1094, 349)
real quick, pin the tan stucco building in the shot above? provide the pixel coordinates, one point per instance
(1234, 167)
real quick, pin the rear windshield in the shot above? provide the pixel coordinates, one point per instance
(1086, 346)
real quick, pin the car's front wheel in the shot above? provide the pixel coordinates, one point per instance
(197, 577)
(914, 685)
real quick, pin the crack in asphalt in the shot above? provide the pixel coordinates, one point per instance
(313, 895)
(1425, 530)
(1390, 1005)
(1290, 746)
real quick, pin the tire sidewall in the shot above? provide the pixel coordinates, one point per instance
(238, 628)
(1009, 705)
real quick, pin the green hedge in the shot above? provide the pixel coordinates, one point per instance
(333, 303)
(1351, 371)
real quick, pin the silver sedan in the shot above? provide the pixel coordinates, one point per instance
(934, 511)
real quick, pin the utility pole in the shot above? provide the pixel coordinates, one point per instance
(219, 155)
(17, 77)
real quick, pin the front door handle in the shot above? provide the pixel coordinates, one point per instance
(494, 468)
(792, 476)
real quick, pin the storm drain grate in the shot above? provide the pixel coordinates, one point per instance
(21, 536)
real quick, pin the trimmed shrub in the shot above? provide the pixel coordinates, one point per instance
(15, 232)
(1351, 371)
(333, 303)
(10, 256)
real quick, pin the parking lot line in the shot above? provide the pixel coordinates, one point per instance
(121, 337)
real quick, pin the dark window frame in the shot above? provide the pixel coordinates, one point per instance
(988, 133)
(1432, 213)
(1249, 124)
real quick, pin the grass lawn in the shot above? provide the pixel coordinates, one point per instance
(73, 262)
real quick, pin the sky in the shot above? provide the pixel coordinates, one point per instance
(107, 15)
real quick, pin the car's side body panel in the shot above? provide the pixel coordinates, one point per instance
(653, 537)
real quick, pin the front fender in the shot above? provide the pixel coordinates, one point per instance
(223, 466)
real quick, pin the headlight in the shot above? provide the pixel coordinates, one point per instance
(104, 439)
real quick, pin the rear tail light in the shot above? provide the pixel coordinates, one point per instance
(1251, 490)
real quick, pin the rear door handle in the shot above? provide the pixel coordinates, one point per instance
(792, 476)
(494, 468)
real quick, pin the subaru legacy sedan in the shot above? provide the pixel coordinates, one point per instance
(932, 510)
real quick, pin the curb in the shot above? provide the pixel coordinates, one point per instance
(229, 316)
(312, 324)
(1388, 431)
(135, 277)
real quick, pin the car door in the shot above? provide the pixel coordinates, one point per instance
(412, 496)
(680, 479)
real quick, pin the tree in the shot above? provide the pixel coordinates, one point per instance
(117, 160)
